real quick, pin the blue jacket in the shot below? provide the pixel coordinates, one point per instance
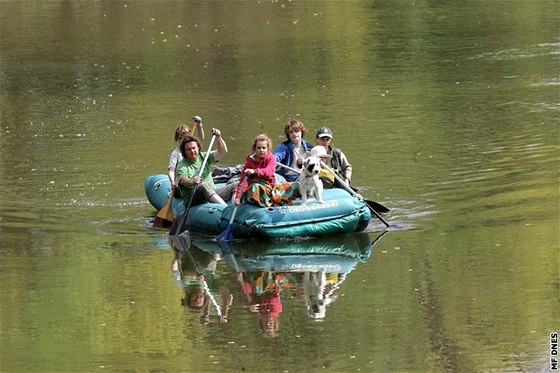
(284, 154)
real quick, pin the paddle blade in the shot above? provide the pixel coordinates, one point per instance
(226, 235)
(182, 242)
(377, 206)
(162, 223)
(164, 217)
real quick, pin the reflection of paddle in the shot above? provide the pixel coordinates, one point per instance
(227, 235)
(372, 204)
(349, 190)
(227, 250)
(177, 227)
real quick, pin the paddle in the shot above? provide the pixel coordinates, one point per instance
(376, 206)
(371, 204)
(228, 250)
(164, 217)
(177, 227)
(349, 190)
(227, 235)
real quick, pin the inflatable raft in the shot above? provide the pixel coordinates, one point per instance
(340, 213)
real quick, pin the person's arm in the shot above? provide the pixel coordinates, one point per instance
(239, 192)
(183, 178)
(222, 147)
(280, 152)
(346, 167)
(171, 175)
(173, 161)
(227, 301)
(200, 128)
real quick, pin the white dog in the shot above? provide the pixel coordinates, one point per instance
(309, 182)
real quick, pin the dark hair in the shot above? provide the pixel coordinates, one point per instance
(186, 140)
(190, 297)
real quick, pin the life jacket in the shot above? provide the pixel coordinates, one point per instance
(335, 161)
(326, 177)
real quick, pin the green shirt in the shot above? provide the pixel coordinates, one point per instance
(190, 169)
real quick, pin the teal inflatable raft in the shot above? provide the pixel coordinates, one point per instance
(340, 213)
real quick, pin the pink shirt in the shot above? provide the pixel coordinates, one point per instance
(265, 170)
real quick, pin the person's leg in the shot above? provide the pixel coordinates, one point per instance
(205, 192)
(227, 192)
(215, 198)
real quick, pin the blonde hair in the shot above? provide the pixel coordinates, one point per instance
(293, 125)
(262, 137)
(184, 130)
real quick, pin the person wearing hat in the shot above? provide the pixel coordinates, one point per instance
(335, 159)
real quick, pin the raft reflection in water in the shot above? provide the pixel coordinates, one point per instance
(267, 273)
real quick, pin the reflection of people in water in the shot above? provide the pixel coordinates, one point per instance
(262, 290)
(194, 272)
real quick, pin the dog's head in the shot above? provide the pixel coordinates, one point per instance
(316, 308)
(312, 165)
(318, 151)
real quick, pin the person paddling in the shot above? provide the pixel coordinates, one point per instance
(337, 160)
(181, 132)
(188, 169)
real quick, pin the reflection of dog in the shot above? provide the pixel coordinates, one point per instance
(314, 289)
(309, 183)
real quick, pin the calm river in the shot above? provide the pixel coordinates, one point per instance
(447, 110)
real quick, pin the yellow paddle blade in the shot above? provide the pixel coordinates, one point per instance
(164, 217)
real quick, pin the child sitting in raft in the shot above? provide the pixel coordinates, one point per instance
(260, 188)
(291, 152)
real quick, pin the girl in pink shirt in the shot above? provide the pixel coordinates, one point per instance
(259, 171)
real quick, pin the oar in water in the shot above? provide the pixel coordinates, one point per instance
(164, 217)
(227, 235)
(371, 204)
(178, 226)
(349, 190)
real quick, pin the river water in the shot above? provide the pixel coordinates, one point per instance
(448, 111)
